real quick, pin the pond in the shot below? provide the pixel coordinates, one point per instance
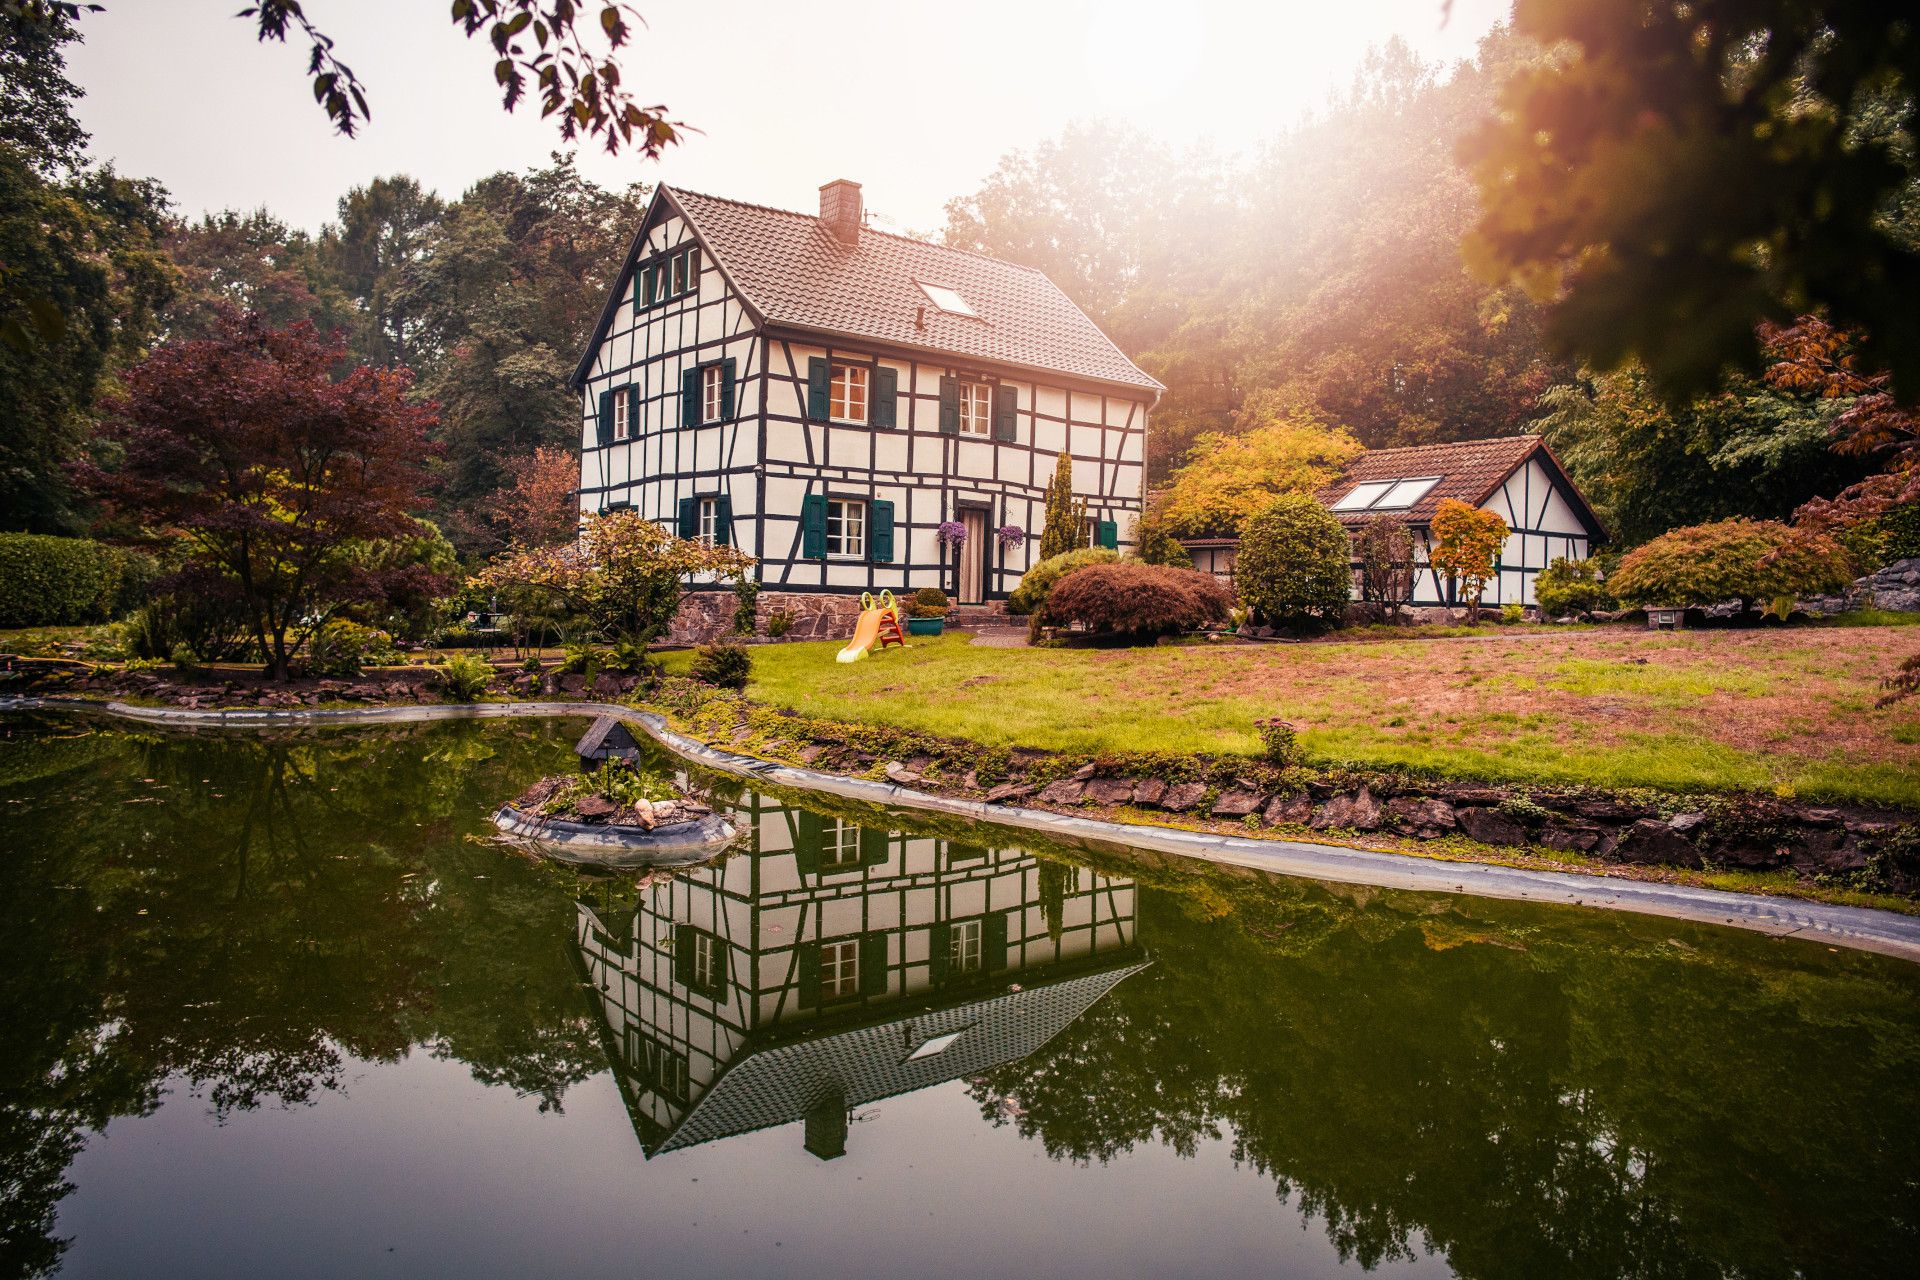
(277, 1004)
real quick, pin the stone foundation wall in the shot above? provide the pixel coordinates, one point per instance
(708, 615)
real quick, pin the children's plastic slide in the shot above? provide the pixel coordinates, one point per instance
(879, 626)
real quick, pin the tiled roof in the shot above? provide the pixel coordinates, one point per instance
(794, 272)
(1469, 470)
(777, 1084)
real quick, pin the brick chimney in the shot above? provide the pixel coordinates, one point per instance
(840, 210)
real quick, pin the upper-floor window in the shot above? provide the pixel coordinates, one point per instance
(666, 278)
(706, 960)
(976, 409)
(839, 969)
(840, 846)
(847, 399)
(707, 514)
(713, 393)
(622, 423)
(846, 527)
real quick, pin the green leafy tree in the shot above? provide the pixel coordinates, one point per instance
(1571, 587)
(1750, 561)
(1680, 171)
(1294, 563)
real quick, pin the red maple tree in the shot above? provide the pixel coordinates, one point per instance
(245, 453)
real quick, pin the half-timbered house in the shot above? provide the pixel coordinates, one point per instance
(1516, 477)
(828, 965)
(826, 396)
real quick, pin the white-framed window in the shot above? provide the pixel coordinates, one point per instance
(847, 399)
(713, 392)
(708, 512)
(679, 274)
(839, 845)
(706, 959)
(1386, 495)
(839, 969)
(963, 946)
(947, 300)
(976, 409)
(846, 527)
(622, 428)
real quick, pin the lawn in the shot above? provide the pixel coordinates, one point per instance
(1784, 711)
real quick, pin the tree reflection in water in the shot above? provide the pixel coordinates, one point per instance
(1530, 1091)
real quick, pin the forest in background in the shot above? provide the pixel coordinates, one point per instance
(1317, 284)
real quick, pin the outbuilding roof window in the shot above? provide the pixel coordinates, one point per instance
(947, 299)
(1386, 495)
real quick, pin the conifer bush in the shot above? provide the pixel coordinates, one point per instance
(1295, 563)
(1745, 560)
(1136, 601)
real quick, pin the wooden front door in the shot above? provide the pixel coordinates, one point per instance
(973, 557)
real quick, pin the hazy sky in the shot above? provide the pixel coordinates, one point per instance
(916, 101)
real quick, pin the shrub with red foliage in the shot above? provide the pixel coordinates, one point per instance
(1139, 601)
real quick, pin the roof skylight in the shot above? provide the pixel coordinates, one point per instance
(947, 299)
(1387, 495)
(936, 1045)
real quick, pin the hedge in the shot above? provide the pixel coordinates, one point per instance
(60, 582)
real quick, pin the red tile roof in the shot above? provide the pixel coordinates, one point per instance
(1470, 470)
(795, 274)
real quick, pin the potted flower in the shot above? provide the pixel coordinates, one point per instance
(927, 612)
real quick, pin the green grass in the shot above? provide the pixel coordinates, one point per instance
(1761, 711)
(1872, 618)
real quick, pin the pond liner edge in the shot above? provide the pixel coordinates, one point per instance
(1860, 928)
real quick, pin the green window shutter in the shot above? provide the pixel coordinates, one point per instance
(643, 297)
(603, 431)
(726, 389)
(689, 517)
(873, 964)
(880, 532)
(633, 411)
(1110, 534)
(809, 955)
(874, 844)
(939, 942)
(683, 954)
(949, 406)
(993, 941)
(813, 527)
(723, 521)
(690, 398)
(886, 396)
(819, 378)
(810, 835)
(1006, 411)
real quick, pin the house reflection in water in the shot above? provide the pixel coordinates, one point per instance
(826, 966)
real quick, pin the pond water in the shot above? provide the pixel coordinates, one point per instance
(272, 1005)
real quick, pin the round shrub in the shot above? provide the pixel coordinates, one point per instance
(345, 648)
(1039, 580)
(1704, 564)
(58, 582)
(725, 665)
(1137, 601)
(1571, 587)
(929, 602)
(1295, 563)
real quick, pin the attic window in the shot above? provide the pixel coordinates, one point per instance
(936, 1045)
(947, 300)
(1386, 495)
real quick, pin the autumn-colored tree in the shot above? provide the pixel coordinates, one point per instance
(1745, 560)
(245, 449)
(1280, 448)
(536, 506)
(1812, 357)
(1466, 547)
(1680, 171)
(624, 574)
(1385, 551)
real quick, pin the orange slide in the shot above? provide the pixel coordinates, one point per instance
(879, 626)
